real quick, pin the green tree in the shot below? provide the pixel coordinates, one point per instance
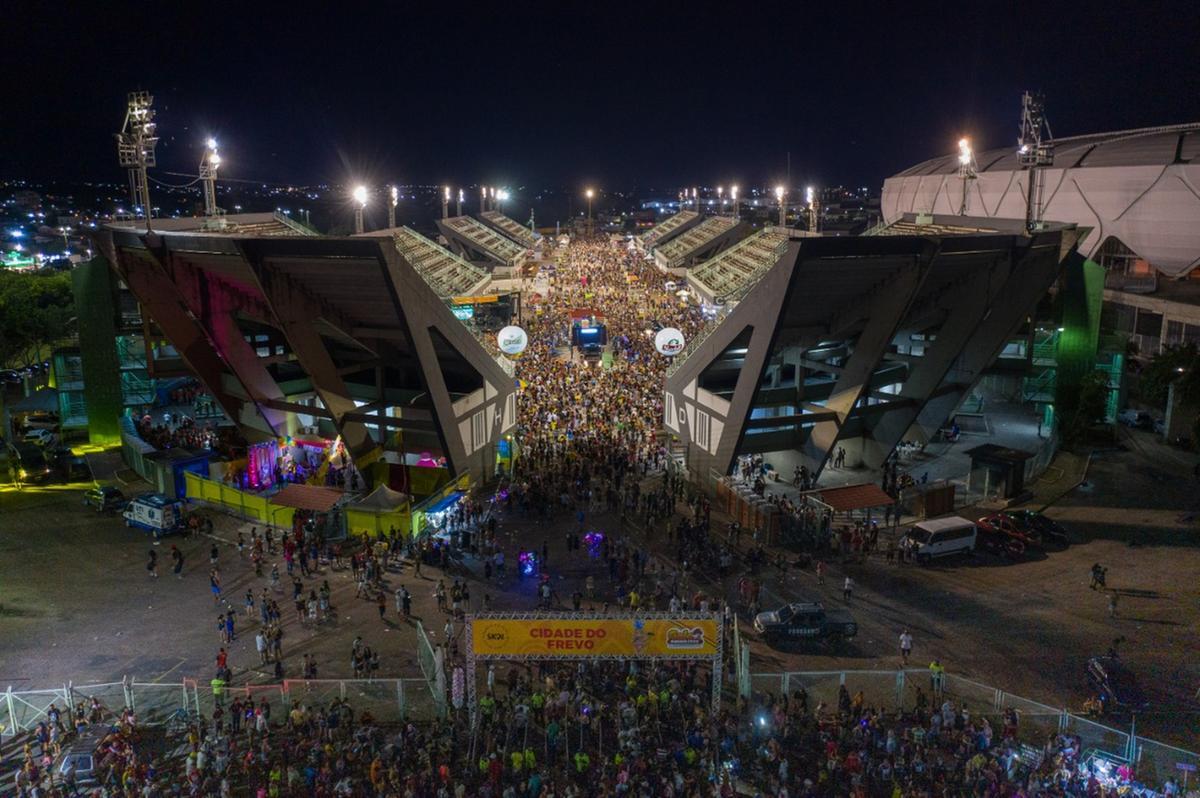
(1087, 408)
(1164, 369)
(35, 309)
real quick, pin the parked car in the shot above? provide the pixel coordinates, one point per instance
(805, 621)
(1046, 533)
(1115, 685)
(105, 499)
(30, 463)
(41, 437)
(10, 375)
(71, 467)
(1137, 419)
(41, 421)
(940, 537)
(81, 756)
(1000, 537)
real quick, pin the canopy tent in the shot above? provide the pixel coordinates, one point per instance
(382, 498)
(855, 497)
(308, 497)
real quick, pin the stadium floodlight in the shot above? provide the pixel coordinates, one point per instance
(967, 170)
(590, 193)
(782, 207)
(809, 195)
(360, 202)
(209, 162)
(733, 196)
(445, 202)
(135, 147)
(395, 194)
(779, 193)
(458, 207)
(964, 151)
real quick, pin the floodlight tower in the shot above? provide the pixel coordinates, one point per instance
(135, 147)
(779, 193)
(491, 198)
(360, 202)
(721, 199)
(733, 195)
(501, 196)
(696, 198)
(395, 195)
(968, 170)
(208, 176)
(458, 207)
(810, 200)
(589, 194)
(1034, 153)
(482, 199)
(445, 202)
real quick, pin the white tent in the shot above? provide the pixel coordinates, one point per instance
(382, 498)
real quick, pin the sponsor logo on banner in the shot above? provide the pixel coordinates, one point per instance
(512, 340)
(685, 638)
(669, 341)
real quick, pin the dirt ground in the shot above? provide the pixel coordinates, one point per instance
(76, 603)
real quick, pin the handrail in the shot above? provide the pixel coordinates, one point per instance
(294, 224)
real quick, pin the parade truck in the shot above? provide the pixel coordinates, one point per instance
(805, 621)
(155, 513)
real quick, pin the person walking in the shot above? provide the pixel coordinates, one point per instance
(937, 676)
(177, 559)
(847, 589)
(381, 603)
(820, 572)
(152, 564)
(906, 642)
(1112, 604)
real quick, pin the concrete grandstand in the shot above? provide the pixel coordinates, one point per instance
(475, 241)
(702, 241)
(667, 229)
(510, 228)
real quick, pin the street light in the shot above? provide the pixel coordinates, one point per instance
(395, 192)
(360, 200)
(782, 207)
(721, 197)
(589, 194)
(733, 195)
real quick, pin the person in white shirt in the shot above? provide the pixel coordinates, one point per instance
(905, 646)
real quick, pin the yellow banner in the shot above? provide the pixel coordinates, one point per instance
(474, 300)
(588, 637)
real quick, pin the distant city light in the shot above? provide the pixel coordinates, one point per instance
(16, 233)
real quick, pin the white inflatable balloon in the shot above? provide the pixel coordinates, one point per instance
(512, 340)
(669, 341)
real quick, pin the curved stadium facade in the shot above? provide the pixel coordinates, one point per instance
(1138, 191)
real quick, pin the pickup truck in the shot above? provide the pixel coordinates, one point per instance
(805, 621)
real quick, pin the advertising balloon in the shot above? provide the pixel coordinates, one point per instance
(512, 340)
(669, 341)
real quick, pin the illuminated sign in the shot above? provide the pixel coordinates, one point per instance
(463, 312)
(669, 341)
(512, 340)
(585, 637)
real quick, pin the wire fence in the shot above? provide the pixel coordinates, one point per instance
(1154, 761)
(388, 700)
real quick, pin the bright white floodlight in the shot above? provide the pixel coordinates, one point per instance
(360, 195)
(964, 151)
(779, 193)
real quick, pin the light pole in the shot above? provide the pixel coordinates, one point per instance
(458, 207)
(395, 192)
(208, 175)
(491, 198)
(782, 208)
(721, 198)
(501, 196)
(360, 202)
(966, 170)
(482, 199)
(733, 195)
(696, 198)
(810, 199)
(589, 193)
(446, 202)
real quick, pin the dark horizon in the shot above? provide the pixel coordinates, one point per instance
(623, 100)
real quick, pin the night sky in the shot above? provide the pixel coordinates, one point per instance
(573, 93)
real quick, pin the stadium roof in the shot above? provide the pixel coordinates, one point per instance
(728, 276)
(1154, 146)
(707, 236)
(509, 227)
(240, 224)
(1140, 187)
(671, 226)
(471, 235)
(446, 273)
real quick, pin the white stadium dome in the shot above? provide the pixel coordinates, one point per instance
(1141, 187)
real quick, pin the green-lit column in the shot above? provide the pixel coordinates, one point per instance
(94, 287)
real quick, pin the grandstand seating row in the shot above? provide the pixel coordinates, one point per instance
(485, 238)
(511, 228)
(680, 247)
(660, 231)
(732, 273)
(448, 274)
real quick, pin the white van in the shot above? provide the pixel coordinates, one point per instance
(939, 537)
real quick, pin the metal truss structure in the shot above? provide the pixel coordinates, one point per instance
(702, 241)
(860, 342)
(473, 240)
(509, 227)
(472, 656)
(338, 334)
(668, 228)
